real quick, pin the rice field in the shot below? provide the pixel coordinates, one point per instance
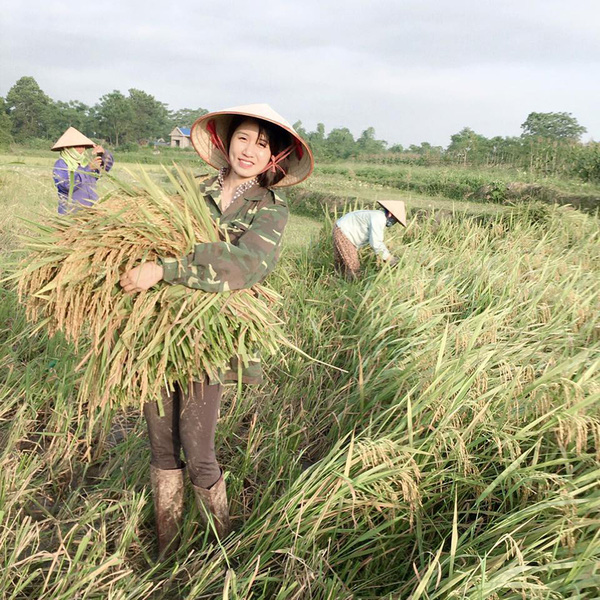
(450, 450)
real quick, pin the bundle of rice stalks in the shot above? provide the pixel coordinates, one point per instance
(136, 344)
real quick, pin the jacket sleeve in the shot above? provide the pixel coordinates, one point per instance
(109, 161)
(224, 266)
(376, 232)
(60, 174)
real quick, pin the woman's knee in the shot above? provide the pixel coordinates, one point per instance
(203, 472)
(198, 422)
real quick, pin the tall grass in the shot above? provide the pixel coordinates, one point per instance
(457, 456)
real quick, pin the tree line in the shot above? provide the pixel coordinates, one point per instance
(548, 146)
(549, 143)
(28, 113)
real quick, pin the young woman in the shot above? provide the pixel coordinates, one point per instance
(256, 152)
(75, 173)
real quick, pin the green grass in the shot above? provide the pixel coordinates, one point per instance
(452, 452)
(327, 190)
(419, 184)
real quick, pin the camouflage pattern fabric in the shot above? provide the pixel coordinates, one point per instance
(254, 224)
(345, 254)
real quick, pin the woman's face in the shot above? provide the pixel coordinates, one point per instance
(249, 151)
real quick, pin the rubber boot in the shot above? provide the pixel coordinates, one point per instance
(167, 490)
(213, 501)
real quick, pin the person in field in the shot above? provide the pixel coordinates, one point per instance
(362, 227)
(256, 152)
(75, 172)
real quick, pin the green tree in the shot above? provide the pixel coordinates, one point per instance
(340, 143)
(367, 144)
(554, 126)
(319, 134)
(585, 161)
(5, 125)
(114, 115)
(28, 107)
(507, 151)
(186, 117)
(73, 113)
(316, 140)
(150, 117)
(299, 129)
(468, 146)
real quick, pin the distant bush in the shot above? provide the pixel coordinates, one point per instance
(314, 204)
(586, 162)
(128, 147)
(37, 144)
(480, 185)
(332, 170)
(6, 138)
(404, 158)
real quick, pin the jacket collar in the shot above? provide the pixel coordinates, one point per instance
(213, 189)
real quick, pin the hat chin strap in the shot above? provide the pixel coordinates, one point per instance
(274, 161)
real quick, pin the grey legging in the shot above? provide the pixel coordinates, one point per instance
(189, 422)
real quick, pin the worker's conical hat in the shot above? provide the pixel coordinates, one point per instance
(301, 161)
(72, 137)
(397, 208)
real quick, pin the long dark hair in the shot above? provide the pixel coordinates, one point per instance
(279, 139)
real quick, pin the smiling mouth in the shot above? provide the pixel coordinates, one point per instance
(245, 163)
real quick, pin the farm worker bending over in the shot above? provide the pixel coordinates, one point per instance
(256, 152)
(362, 227)
(75, 173)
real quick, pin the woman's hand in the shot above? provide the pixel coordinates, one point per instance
(95, 163)
(141, 278)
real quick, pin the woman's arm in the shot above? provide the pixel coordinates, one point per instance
(108, 161)
(222, 266)
(376, 232)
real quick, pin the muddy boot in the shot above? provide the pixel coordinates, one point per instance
(214, 501)
(167, 490)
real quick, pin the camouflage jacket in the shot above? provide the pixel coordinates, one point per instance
(255, 223)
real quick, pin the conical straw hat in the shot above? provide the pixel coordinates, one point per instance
(72, 137)
(301, 161)
(397, 208)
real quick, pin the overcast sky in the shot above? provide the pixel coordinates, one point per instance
(415, 70)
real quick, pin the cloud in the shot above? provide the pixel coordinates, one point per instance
(414, 70)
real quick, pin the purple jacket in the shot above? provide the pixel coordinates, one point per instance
(84, 184)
